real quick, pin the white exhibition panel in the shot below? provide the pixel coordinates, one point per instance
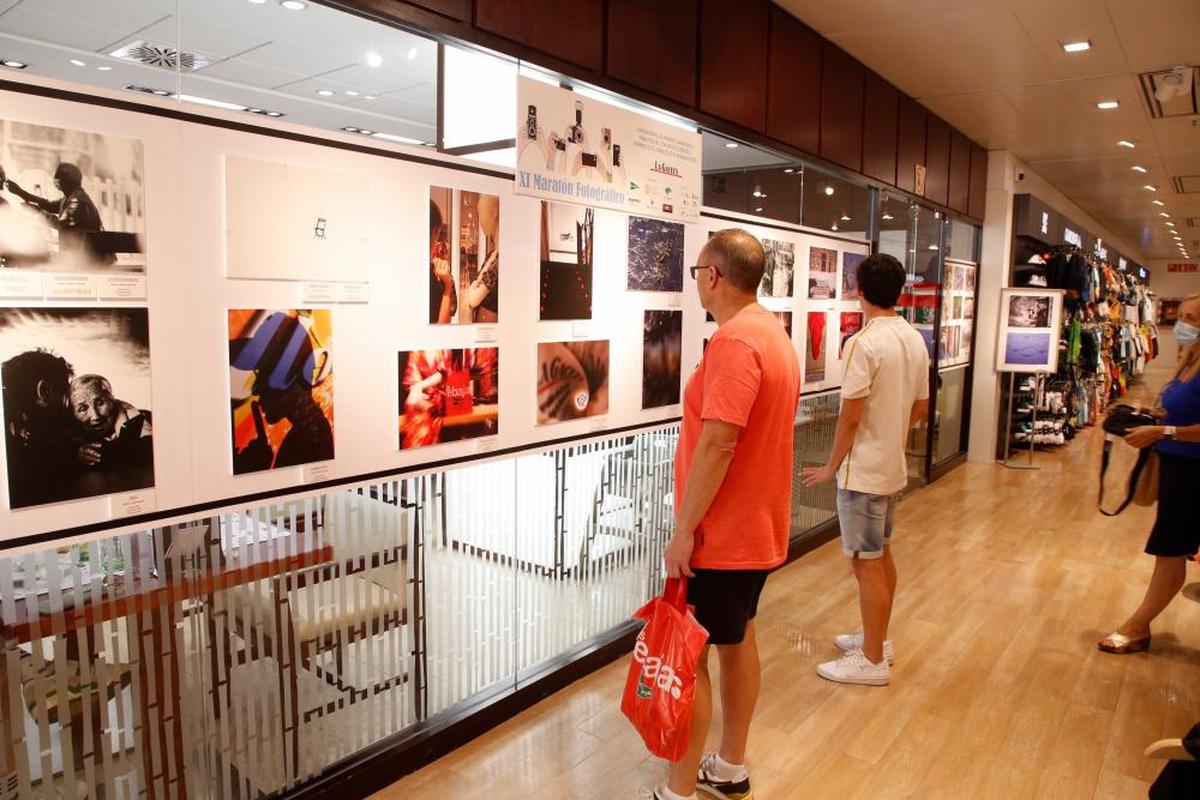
(189, 295)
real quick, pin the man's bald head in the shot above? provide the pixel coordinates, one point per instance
(739, 256)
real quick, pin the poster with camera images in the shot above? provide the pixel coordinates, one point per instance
(655, 255)
(1030, 328)
(572, 380)
(464, 257)
(71, 201)
(291, 222)
(574, 148)
(662, 354)
(280, 388)
(779, 272)
(565, 261)
(448, 395)
(822, 273)
(76, 399)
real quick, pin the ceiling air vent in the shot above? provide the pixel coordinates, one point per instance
(1186, 184)
(161, 56)
(1171, 92)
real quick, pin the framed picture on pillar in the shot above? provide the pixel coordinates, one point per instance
(1030, 328)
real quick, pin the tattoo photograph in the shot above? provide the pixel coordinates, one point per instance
(572, 380)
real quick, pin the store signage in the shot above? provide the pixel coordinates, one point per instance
(1181, 267)
(1101, 251)
(1072, 237)
(1045, 222)
(919, 180)
(1122, 263)
(575, 149)
(1144, 274)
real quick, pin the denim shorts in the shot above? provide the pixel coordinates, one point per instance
(866, 522)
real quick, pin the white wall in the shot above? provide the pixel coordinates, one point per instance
(1172, 285)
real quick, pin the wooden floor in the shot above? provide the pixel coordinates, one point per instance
(1007, 578)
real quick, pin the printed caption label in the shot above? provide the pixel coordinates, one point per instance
(315, 473)
(130, 505)
(487, 334)
(16, 283)
(581, 330)
(75, 287)
(486, 445)
(674, 301)
(122, 287)
(598, 424)
(353, 292)
(318, 292)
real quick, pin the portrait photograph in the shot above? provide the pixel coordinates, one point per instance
(850, 262)
(778, 276)
(75, 384)
(464, 257)
(280, 388)
(822, 273)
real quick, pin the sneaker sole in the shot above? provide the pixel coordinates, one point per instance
(891, 657)
(858, 681)
(711, 792)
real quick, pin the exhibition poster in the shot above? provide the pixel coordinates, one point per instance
(576, 149)
(1030, 327)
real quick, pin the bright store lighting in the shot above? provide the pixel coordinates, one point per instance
(1164, 214)
(1126, 143)
(78, 63)
(411, 55)
(1108, 105)
(845, 217)
(352, 93)
(1158, 202)
(257, 2)
(325, 92)
(757, 193)
(206, 101)
(731, 145)
(13, 64)
(374, 59)
(391, 137)
(1077, 47)
(829, 191)
(1138, 168)
(104, 69)
(789, 171)
(293, 5)
(1150, 188)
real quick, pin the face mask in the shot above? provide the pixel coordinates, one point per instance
(1186, 334)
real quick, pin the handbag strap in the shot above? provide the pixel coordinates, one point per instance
(1142, 459)
(675, 594)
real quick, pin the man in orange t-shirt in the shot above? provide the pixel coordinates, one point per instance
(733, 498)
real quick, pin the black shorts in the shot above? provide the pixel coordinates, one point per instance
(1176, 531)
(725, 600)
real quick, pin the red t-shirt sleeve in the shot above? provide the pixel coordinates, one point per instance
(732, 375)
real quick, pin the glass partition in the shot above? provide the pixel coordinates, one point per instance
(835, 205)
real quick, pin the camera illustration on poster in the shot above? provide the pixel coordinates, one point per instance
(573, 148)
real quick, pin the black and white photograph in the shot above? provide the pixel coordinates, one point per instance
(572, 380)
(655, 257)
(76, 398)
(822, 273)
(779, 275)
(785, 319)
(70, 201)
(464, 257)
(292, 222)
(565, 277)
(1029, 312)
(662, 353)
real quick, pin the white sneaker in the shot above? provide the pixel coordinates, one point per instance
(854, 667)
(849, 642)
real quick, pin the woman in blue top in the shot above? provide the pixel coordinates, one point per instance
(1176, 534)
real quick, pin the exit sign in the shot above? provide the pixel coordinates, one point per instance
(1182, 268)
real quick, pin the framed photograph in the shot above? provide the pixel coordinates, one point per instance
(785, 319)
(464, 257)
(565, 290)
(572, 380)
(655, 255)
(1030, 328)
(448, 395)
(822, 273)
(779, 275)
(814, 347)
(662, 354)
(852, 323)
(850, 262)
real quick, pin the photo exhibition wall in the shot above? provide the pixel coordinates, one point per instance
(299, 313)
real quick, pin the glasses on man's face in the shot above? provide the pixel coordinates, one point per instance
(699, 267)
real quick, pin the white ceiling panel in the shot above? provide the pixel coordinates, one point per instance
(238, 70)
(25, 20)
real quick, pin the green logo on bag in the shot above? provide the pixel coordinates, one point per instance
(645, 690)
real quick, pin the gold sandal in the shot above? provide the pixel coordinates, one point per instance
(1121, 645)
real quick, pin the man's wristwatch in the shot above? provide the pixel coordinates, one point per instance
(1169, 433)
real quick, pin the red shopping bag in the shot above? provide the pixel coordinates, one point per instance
(660, 690)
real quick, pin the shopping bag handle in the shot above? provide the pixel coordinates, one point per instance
(675, 593)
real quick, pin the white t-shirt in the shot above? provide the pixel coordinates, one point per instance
(887, 363)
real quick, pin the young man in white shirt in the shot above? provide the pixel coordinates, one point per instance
(885, 391)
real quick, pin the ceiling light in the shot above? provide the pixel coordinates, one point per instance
(206, 101)
(352, 93)
(293, 5)
(1138, 168)
(789, 170)
(829, 191)
(350, 129)
(1164, 214)
(845, 217)
(1108, 105)
(391, 137)
(731, 145)
(758, 208)
(78, 63)
(1126, 143)
(258, 2)
(104, 69)
(13, 64)
(274, 113)
(833, 227)
(887, 216)
(411, 55)
(369, 97)
(1169, 224)
(757, 193)
(325, 92)
(1077, 47)
(366, 132)
(1150, 188)
(933, 247)
(1158, 202)
(374, 59)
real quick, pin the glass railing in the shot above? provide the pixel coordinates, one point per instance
(246, 651)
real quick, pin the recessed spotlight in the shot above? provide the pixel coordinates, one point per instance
(1150, 188)
(757, 193)
(1158, 202)
(758, 208)
(13, 64)
(833, 227)
(293, 5)
(1138, 168)
(352, 93)
(887, 216)
(274, 113)
(366, 132)
(325, 92)
(1169, 224)
(1164, 214)
(412, 53)
(731, 145)
(160, 92)
(369, 97)
(789, 170)
(845, 217)
(104, 69)
(374, 59)
(1108, 105)
(933, 247)
(1126, 143)
(1077, 47)
(829, 191)
(78, 63)
(349, 129)
(257, 2)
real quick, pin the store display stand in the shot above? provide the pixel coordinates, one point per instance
(1008, 432)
